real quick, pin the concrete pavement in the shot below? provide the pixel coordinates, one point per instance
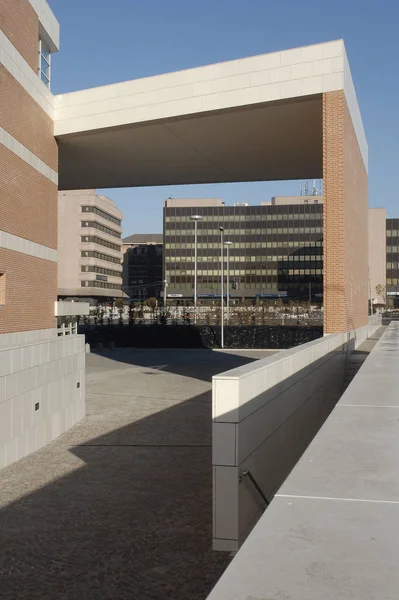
(119, 507)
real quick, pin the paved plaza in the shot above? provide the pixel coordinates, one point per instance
(120, 506)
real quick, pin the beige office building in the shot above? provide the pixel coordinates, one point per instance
(89, 245)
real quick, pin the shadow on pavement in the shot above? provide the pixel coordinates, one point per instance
(124, 515)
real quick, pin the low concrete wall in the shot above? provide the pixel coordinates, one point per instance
(42, 390)
(331, 530)
(71, 309)
(264, 416)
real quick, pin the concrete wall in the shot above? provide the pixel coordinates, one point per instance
(331, 530)
(42, 390)
(264, 416)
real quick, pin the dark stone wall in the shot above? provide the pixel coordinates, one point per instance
(190, 336)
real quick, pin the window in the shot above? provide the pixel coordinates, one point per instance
(101, 213)
(100, 284)
(100, 256)
(101, 270)
(96, 240)
(44, 68)
(100, 227)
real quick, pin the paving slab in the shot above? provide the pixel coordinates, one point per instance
(120, 506)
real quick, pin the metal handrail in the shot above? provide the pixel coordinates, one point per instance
(247, 473)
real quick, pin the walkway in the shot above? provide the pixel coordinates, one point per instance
(331, 530)
(120, 506)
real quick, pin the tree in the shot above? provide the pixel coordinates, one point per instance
(381, 292)
(152, 303)
(119, 303)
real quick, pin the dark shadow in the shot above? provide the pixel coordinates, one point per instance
(199, 364)
(131, 519)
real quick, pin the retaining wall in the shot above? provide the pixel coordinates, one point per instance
(264, 416)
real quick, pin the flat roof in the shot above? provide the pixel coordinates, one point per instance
(251, 119)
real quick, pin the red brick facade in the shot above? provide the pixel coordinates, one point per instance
(345, 220)
(30, 292)
(28, 199)
(20, 24)
(26, 121)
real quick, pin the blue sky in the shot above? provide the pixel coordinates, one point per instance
(107, 41)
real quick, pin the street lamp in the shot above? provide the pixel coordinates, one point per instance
(228, 244)
(195, 218)
(165, 285)
(221, 229)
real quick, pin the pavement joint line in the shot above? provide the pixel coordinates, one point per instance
(143, 446)
(368, 405)
(337, 499)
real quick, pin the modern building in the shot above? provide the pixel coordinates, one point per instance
(292, 114)
(392, 260)
(276, 249)
(142, 266)
(89, 246)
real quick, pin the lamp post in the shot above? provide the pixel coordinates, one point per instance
(165, 285)
(228, 244)
(221, 229)
(195, 218)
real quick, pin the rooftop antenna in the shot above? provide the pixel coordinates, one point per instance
(307, 188)
(301, 189)
(314, 188)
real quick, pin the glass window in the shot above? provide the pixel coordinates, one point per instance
(44, 64)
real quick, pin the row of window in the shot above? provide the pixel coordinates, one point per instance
(215, 234)
(393, 265)
(101, 213)
(96, 240)
(250, 240)
(267, 244)
(100, 256)
(101, 228)
(213, 284)
(392, 233)
(392, 281)
(101, 270)
(246, 272)
(101, 284)
(177, 260)
(222, 219)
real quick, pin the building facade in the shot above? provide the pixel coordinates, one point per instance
(89, 246)
(142, 266)
(392, 260)
(41, 372)
(276, 249)
(378, 259)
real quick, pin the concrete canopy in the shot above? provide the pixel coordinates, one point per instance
(251, 119)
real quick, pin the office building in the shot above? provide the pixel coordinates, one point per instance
(89, 246)
(142, 266)
(392, 261)
(276, 250)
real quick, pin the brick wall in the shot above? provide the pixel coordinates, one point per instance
(345, 220)
(25, 120)
(30, 292)
(28, 201)
(20, 24)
